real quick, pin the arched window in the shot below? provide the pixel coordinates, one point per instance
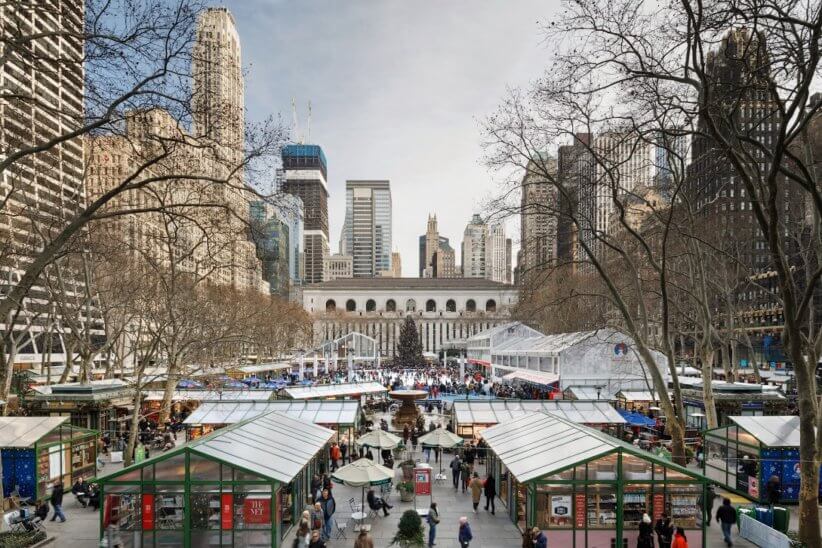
(350, 305)
(430, 305)
(470, 305)
(410, 305)
(390, 305)
(491, 305)
(450, 305)
(330, 305)
(370, 305)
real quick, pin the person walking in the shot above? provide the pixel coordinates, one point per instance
(646, 533)
(433, 519)
(455, 470)
(726, 516)
(316, 541)
(464, 536)
(317, 518)
(336, 455)
(774, 490)
(709, 502)
(490, 489)
(476, 491)
(364, 540)
(57, 501)
(465, 475)
(303, 537)
(527, 539)
(664, 531)
(680, 540)
(329, 506)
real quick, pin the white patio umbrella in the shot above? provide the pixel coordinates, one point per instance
(360, 473)
(379, 439)
(441, 438)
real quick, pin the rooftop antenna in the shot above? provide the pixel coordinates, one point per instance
(308, 137)
(297, 136)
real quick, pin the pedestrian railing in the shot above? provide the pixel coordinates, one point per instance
(762, 535)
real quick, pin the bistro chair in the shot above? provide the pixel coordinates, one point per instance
(355, 506)
(340, 533)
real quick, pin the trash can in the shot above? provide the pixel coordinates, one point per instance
(781, 519)
(746, 511)
(764, 515)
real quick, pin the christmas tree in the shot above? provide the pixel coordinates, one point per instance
(409, 347)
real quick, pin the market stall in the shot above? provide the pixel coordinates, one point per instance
(244, 485)
(340, 416)
(190, 399)
(585, 488)
(636, 400)
(473, 416)
(330, 391)
(38, 451)
(99, 405)
(745, 454)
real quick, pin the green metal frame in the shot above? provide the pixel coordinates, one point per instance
(757, 450)
(618, 484)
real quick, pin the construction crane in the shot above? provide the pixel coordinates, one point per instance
(298, 137)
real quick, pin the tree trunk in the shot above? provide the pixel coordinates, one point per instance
(707, 387)
(168, 393)
(134, 427)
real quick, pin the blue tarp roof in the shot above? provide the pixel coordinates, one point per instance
(636, 419)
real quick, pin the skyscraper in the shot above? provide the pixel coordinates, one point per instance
(538, 218)
(305, 173)
(575, 169)
(497, 259)
(42, 79)
(218, 96)
(437, 258)
(366, 234)
(473, 248)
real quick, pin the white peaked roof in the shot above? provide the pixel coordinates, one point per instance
(26, 431)
(497, 411)
(212, 395)
(637, 395)
(317, 412)
(538, 377)
(771, 431)
(334, 390)
(275, 445)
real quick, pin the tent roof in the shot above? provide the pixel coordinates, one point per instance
(540, 444)
(497, 411)
(636, 395)
(317, 412)
(262, 367)
(771, 430)
(275, 446)
(26, 431)
(537, 377)
(590, 393)
(332, 390)
(212, 395)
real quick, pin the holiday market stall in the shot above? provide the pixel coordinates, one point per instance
(38, 451)
(585, 488)
(744, 455)
(243, 485)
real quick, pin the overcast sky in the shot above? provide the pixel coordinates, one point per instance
(397, 92)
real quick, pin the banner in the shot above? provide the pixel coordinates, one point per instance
(226, 511)
(147, 512)
(257, 509)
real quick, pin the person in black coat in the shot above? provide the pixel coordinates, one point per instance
(664, 531)
(774, 490)
(57, 501)
(490, 489)
(646, 533)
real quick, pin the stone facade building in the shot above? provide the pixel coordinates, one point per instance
(445, 310)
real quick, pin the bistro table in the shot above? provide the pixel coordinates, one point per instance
(359, 517)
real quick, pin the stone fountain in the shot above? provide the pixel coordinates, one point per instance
(408, 411)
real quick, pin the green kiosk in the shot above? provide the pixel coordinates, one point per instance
(243, 485)
(585, 488)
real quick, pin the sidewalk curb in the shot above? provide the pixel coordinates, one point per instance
(48, 540)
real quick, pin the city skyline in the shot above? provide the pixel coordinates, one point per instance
(441, 155)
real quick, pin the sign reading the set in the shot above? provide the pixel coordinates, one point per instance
(226, 502)
(148, 512)
(257, 509)
(422, 481)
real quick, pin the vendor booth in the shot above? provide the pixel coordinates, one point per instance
(732, 402)
(742, 456)
(36, 452)
(585, 488)
(340, 416)
(244, 485)
(473, 416)
(327, 391)
(99, 405)
(636, 400)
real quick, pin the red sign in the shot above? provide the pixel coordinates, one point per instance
(257, 509)
(659, 505)
(226, 510)
(148, 512)
(580, 510)
(422, 481)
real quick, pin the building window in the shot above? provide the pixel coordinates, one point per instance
(491, 305)
(450, 306)
(330, 305)
(430, 305)
(470, 305)
(370, 305)
(391, 305)
(350, 305)
(410, 305)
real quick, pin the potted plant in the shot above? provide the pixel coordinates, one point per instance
(410, 531)
(406, 489)
(408, 469)
(398, 450)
